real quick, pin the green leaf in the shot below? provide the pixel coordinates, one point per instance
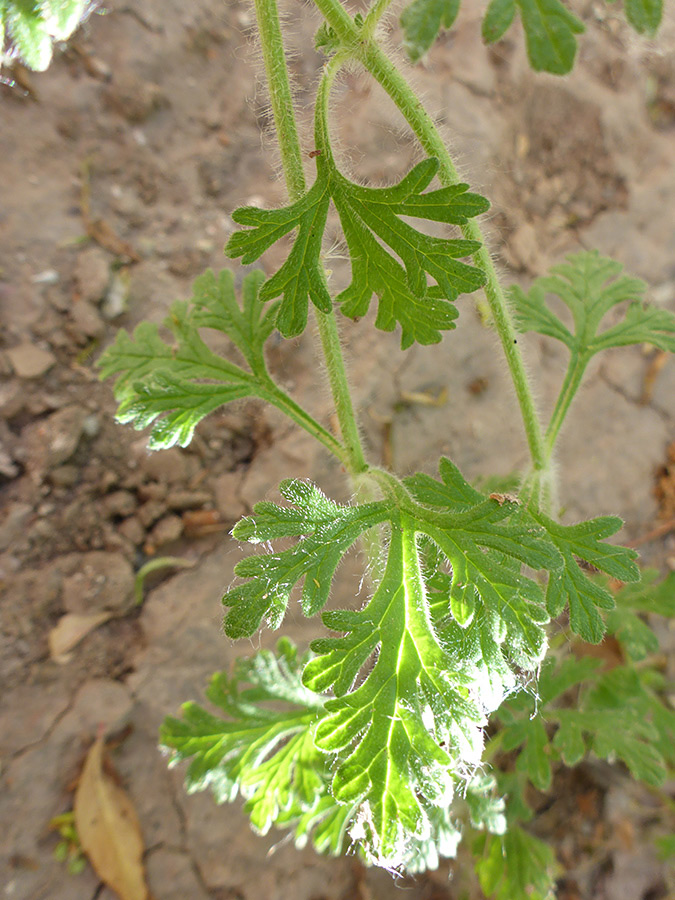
(248, 326)
(498, 19)
(301, 276)
(172, 387)
(31, 28)
(637, 639)
(524, 716)
(618, 717)
(550, 30)
(63, 16)
(326, 40)
(590, 285)
(486, 807)
(262, 752)
(28, 35)
(371, 223)
(571, 585)
(644, 15)
(408, 681)
(328, 529)
(516, 866)
(391, 729)
(422, 20)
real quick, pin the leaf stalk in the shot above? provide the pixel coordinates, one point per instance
(284, 119)
(367, 51)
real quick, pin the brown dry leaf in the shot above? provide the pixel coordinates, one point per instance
(70, 630)
(108, 829)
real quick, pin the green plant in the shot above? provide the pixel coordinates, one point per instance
(376, 736)
(29, 28)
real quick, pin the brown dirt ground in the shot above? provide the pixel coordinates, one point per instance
(118, 170)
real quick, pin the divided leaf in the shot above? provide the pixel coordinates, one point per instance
(644, 15)
(617, 719)
(590, 285)
(421, 22)
(550, 27)
(409, 700)
(371, 223)
(516, 866)
(637, 639)
(31, 28)
(262, 752)
(580, 707)
(550, 31)
(173, 387)
(326, 529)
(586, 541)
(392, 729)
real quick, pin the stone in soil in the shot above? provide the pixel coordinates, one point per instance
(165, 531)
(92, 274)
(86, 323)
(17, 515)
(226, 489)
(52, 441)
(97, 581)
(30, 361)
(168, 466)
(120, 503)
(187, 499)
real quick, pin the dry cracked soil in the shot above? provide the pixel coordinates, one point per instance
(119, 168)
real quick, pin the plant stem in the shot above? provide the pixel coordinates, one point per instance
(573, 377)
(373, 16)
(274, 395)
(373, 58)
(291, 158)
(281, 99)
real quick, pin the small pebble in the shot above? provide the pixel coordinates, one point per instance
(29, 361)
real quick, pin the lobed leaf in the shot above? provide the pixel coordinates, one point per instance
(498, 19)
(261, 752)
(301, 276)
(550, 30)
(409, 670)
(248, 326)
(550, 27)
(615, 720)
(328, 530)
(590, 285)
(516, 866)
(391, 750)
(644, 15)
(172, 388)
(374, 232)
(31, 28)
(637, 639)
(571, 585)
(422, 20)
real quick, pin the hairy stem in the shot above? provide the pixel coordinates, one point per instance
(276, 397)
(573, 377)
(284, 119)
(373, 16)
(369, 53)
(281, 99)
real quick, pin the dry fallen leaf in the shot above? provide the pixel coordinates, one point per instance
(108, 829)
(70, 630)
